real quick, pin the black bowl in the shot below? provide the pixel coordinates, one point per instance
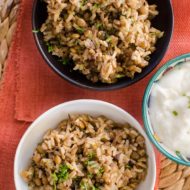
(164, 22)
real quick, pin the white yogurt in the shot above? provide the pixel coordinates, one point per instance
(170, 109)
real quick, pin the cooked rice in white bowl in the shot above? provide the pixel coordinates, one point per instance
(85, 152)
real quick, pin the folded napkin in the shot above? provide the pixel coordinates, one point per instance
(30, 87)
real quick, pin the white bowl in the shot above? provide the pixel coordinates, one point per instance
(52, 118)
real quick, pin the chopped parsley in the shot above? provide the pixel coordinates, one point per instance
(55, 180)
(99, 25)
(175, 113)
(64, 61)
(109, 39)
(90, 175)
(96, 6)
(91, 156)
(101, 170)
(50, 47)
(184, 94)
(128, 166)
(36, 31)
(95, 188)
(63, 172)
(79, 30)
(85, 186)
(91, 163)
(120, 76)
(147, 58)
(61, 175)
(83, 2)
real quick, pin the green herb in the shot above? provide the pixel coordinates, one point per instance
(63, 173)
(184, 94)
(103, 139)
(94, 188)
(91, 156)
(101, 170)
(99, 25)
(90, 163)
(83, 2)
(64, 61)
(120, 76)
(79, 30)
(109, 38)
(175, 113)
(96, 6)
(147, 58)
(128, 166)
(55, 180)
(36, 31)
(84, 185)
(50, 47)
(90, 175)
(189, 102)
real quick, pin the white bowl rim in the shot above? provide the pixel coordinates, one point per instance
(43, 115)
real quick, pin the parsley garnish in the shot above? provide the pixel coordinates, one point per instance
(55, 180)
(91, 156)
(128, 166)
(50, 47)
(109, 39)
(61, 175)
(120, 76)
(83, 2)
(101, 170)
(84, 185)
(65, 61)
(99, 25)
(36, 31)
(79, 30)
(175, 113)
(94, 188)
(96, 6)
(63, 172)
(90, 175)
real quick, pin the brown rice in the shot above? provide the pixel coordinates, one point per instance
(106, 39)
(88, 153)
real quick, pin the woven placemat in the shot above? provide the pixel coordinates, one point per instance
(172, 176)
(8, 13)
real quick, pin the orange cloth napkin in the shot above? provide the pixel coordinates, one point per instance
(30, 87)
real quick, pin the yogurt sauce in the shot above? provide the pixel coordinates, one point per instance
(170, 109)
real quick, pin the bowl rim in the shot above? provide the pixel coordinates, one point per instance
(108, 87)
(145, 108)
(117, 108)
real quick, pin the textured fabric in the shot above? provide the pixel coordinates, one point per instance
(30, 87)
